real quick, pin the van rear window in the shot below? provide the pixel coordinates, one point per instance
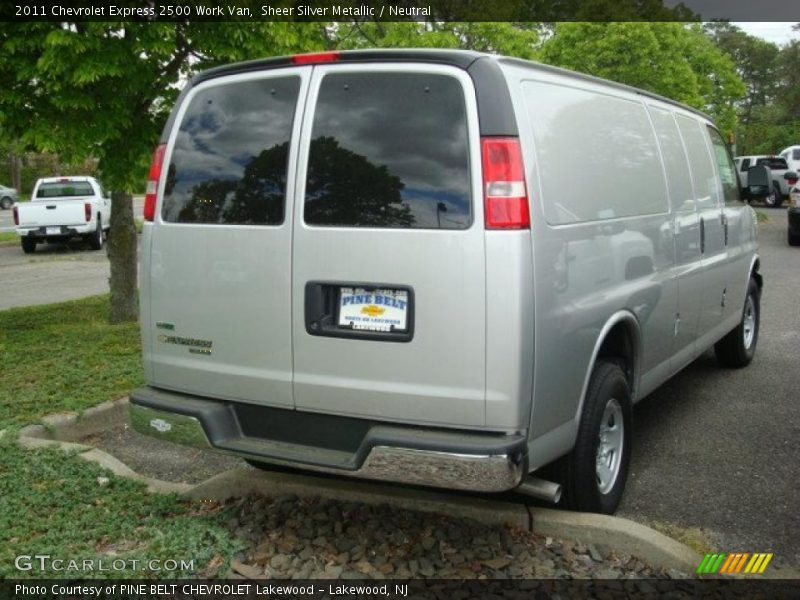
(389, 150)
(230, 157)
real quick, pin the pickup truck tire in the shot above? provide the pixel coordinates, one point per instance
(593, 474)
(736, 349)
(28, 245)
(775, 199)
(793, 239)
(96, 239)
(6, 202)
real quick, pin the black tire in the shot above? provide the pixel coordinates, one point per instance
(775, 199)
(6, 202)
(737, 349)
(583, 488)
(793, 239)
(28, 245)
(96, 238)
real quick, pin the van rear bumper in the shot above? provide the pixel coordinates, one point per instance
(451, 459)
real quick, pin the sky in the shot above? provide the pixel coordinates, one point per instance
(778, 33)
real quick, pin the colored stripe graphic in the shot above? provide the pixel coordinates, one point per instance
(735, 563)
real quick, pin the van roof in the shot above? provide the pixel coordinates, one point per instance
(463, 59)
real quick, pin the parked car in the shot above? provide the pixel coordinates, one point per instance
(7, 197)
(388, 264)
(793, 216)
(62, 208)
(792, 157)
(776, 164)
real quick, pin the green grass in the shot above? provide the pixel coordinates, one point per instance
(64, 357)
(67, 357)
(9, 236)
(762, 216)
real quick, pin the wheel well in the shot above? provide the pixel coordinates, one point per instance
(756, 275)
(619, 346)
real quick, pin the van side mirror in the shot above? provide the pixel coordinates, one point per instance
(758, 181)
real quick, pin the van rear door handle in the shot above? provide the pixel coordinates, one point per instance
(702, 236)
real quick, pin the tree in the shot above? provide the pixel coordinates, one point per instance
(675, 60)
(755, 60)
(105, 89)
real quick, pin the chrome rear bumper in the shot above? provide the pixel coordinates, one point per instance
(494, 470)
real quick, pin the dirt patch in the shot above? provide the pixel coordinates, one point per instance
(162, 460)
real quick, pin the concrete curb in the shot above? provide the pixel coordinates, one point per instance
(610, 533)
(624, 536)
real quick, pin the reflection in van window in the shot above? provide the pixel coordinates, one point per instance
(619, 173)
(727, 171)
(389, 150)
(231, 155)
(678, 178)
(705, 180)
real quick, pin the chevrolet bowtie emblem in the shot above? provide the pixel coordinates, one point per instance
(372, 310)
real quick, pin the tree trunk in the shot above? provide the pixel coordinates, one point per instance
(122, 241)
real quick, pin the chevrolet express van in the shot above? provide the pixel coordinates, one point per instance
(433, 267)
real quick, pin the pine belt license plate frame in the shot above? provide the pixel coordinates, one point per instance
(384, 302)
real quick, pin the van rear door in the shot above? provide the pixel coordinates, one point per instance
(388, 287)
(220, 264)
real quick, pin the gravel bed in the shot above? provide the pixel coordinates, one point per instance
(160, 459)
(300, 538)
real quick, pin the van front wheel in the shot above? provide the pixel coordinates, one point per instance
(594, 473)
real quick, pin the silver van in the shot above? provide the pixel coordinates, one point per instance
(442, 268)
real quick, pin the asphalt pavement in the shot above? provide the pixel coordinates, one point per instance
(719, 449)
(54, 273)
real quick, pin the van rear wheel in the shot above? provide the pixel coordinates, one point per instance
(594, 473)
(738, 347)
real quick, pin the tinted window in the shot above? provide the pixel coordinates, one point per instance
(705, 178)
(231, 155)
(773, 163)
(796, 154)
(678, 178)
(727, 172)
(389, 150)
(618, 174)
(745, 165)
(64, 189)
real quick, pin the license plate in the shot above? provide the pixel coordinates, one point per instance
(373, 310)
(53, 230)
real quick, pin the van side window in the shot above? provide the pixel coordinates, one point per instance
(230, 158)
(389, 150)
(678, 178)
(619, 173)
(703, 174)
(727, 172)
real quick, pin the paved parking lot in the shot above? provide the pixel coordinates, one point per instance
(54, 273)
(719, 449)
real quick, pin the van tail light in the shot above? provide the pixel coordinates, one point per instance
(506, 198)
(87, 211)
(313, 58)
(149, 211)
(16, 216)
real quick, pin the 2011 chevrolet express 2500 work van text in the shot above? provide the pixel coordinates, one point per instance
(390, 264)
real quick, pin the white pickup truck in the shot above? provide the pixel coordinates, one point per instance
(61, 208)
